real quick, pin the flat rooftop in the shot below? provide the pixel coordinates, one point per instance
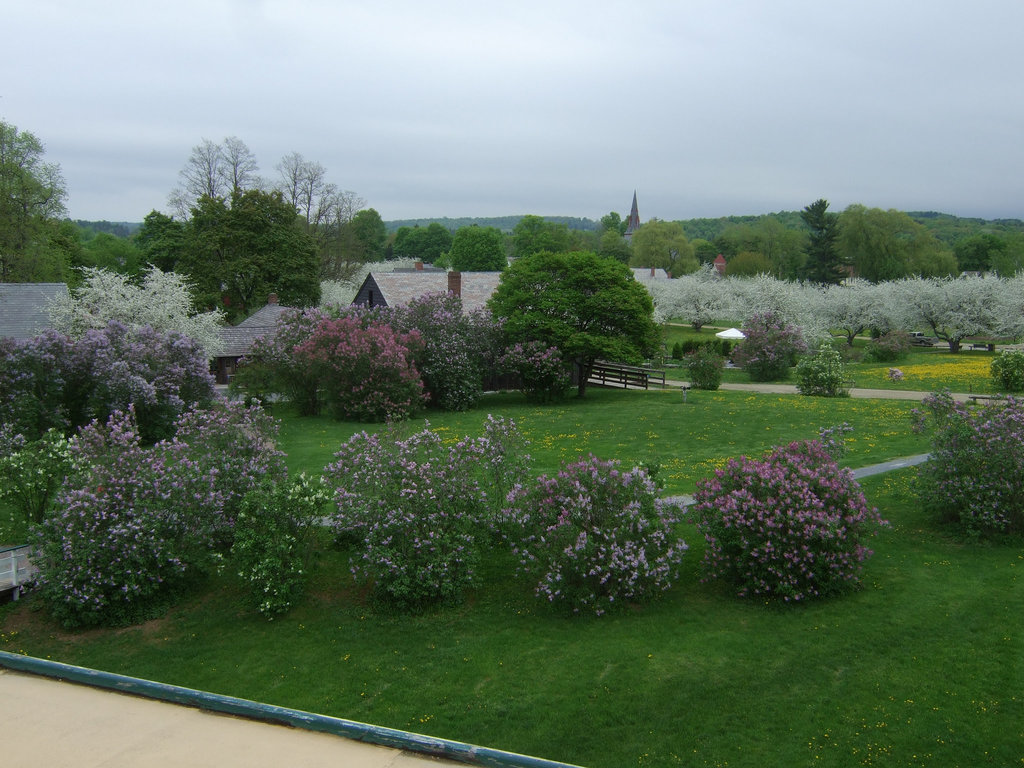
(58, 715)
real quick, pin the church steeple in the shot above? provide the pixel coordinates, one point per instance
(633, 222)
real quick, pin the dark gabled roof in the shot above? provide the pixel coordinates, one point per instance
(238, 340)
(397, 289)
(23, 308)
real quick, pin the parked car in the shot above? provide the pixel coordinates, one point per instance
(918, 339)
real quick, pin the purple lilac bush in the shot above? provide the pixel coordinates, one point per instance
(593, 536)
(974, 477)
(791, 525)
(420, 508)
(55, 381)
(37, 389)
(454, 352)
(132, 522)
(770, 349)
(543, 374)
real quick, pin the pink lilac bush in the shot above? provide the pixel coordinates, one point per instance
(770, 349)
(791, 525)
(364, 372)
(271, 367)
(420, 508)
(593, 536)
(133, 523)
(974, 477)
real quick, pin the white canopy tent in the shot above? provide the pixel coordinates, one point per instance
(731, 333)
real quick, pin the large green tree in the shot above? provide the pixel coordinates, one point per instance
(663, 244)
(888, 245)
(586, 305)
(370, 233)
(823, 264)
(533, 234)
(239, 254)
(979, 252)
(426, 244)
(478, 249)
(31, 208)
(161, 240)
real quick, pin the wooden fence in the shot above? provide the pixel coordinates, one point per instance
(15, 569)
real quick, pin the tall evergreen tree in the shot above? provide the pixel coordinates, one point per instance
(823, 263)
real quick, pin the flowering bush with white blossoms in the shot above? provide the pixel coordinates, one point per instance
(32, 471)
(594, 536)
(272, 542)
(791, 525)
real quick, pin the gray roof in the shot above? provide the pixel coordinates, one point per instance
(399, 288)
(238, 339)
(647, 274)
(23, 308)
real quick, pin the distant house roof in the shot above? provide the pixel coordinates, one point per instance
(646, 274)
(238, 339)
(396, 289)
(23, 308)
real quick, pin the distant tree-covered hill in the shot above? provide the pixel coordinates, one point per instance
(946, 227)
(116, 228)
(504, 223)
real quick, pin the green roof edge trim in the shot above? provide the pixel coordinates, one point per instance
(351, 729)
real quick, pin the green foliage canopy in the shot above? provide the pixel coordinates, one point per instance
(663, 244)
(32, 196)
(236, 256)
(478, 249)
(586, 305)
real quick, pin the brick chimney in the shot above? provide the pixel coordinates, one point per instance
(272, 298)
(652, 271)
(419, 266)
(455, 283)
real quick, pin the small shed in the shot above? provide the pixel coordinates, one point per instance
(237, 340)
(24, 307)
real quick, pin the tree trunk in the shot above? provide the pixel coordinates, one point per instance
(584, 367)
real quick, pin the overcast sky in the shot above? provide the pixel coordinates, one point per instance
(423, 109)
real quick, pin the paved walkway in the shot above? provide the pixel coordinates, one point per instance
(857, 392)
(686, 500)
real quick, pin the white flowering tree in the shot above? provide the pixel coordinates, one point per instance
(849, 309)
(954, 308)
(1011, 323)
(162, 300)
(697, 298)
(797, 303)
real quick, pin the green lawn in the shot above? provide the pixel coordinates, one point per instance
(920, 667)
(688, 440)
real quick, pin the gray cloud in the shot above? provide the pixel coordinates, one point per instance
(460, 109)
